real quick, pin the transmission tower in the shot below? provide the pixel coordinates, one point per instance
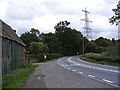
(87, 29)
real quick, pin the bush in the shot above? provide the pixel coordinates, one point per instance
(101, 57)
(40, 57)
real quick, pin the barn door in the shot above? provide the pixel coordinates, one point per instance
(14, 50)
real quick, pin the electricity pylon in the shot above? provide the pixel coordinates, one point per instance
(87, 29)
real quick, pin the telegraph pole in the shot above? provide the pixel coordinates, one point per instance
(87, 29)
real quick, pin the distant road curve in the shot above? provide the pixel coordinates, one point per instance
(104, 73)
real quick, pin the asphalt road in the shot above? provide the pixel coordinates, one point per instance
(104, 73)
(63, 74)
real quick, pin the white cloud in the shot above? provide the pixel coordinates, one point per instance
(23, 15)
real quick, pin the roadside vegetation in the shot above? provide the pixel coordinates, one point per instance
(17, 78)
(100, 59)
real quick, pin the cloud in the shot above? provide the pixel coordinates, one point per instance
(24, 10)
(23, 15)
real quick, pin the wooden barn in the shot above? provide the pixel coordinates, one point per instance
(13, 49)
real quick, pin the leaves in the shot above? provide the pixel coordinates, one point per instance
(116, 18)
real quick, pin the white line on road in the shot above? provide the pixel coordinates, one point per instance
(68, 68)
(88, 66)
(73, 70)
(107, 80)
(80, 72)
(38, 78)
(91, 76)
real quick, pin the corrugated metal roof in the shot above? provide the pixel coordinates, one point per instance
(9, 33)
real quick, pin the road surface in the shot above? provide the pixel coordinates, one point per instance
(66, 73)
(103, 73)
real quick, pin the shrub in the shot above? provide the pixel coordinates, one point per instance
(40, 57)
(101, 57)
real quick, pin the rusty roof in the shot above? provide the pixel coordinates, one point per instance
(9, 33)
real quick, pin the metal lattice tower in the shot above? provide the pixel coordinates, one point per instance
(87, 29)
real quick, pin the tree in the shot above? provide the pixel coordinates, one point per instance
(115, 18)
(61, 26)
(35, 31)
(90, 47)
(28, 37)
(70, 39)
(103, 42)
(38, 47)
(52, 42)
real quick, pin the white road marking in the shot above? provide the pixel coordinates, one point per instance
(64, 67)
(91, 76)
(76, 64)
(73, 70)
(107, 80)
(68, 68)
(38, 78)
(80, 72)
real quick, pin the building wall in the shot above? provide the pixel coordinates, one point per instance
(21, 55)
(12, 59)
(6, 56)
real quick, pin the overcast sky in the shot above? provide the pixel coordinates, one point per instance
(22, 15)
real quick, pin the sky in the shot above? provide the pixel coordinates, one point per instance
(22, 15)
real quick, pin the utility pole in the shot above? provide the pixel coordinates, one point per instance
(87, 29)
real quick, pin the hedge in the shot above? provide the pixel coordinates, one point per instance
(40, 57)
(103, 58)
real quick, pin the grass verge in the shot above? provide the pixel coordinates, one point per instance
(17, 78)
(55, 59)
(99, 62)
(52, 60)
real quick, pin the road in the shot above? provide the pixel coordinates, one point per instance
(66, 72)
(103, 73)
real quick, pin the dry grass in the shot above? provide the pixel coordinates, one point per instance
(93, 54)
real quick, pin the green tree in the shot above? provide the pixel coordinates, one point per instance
(35, 31)
(103, 42)
(90, 47)
(71, 39)
(38, 47)
(27, 38)
(52, 42)
(115, 18)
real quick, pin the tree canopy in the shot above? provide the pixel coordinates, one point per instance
(115, 18)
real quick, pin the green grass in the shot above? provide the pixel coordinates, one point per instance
(17, 78)
(48, 60)
(99, 62)
(52, 60)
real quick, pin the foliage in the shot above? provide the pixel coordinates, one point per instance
(102, 57)
(100, 62)
(52, 42)
(38, 47)
(112, 51)
(35, 31)
(40, 57)
(103, 42)
(65, 40)
(115, 18)
(90, 47)
(70, 39)
(17, 78)
(28, 37)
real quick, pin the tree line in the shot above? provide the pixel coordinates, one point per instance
(65, 40)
